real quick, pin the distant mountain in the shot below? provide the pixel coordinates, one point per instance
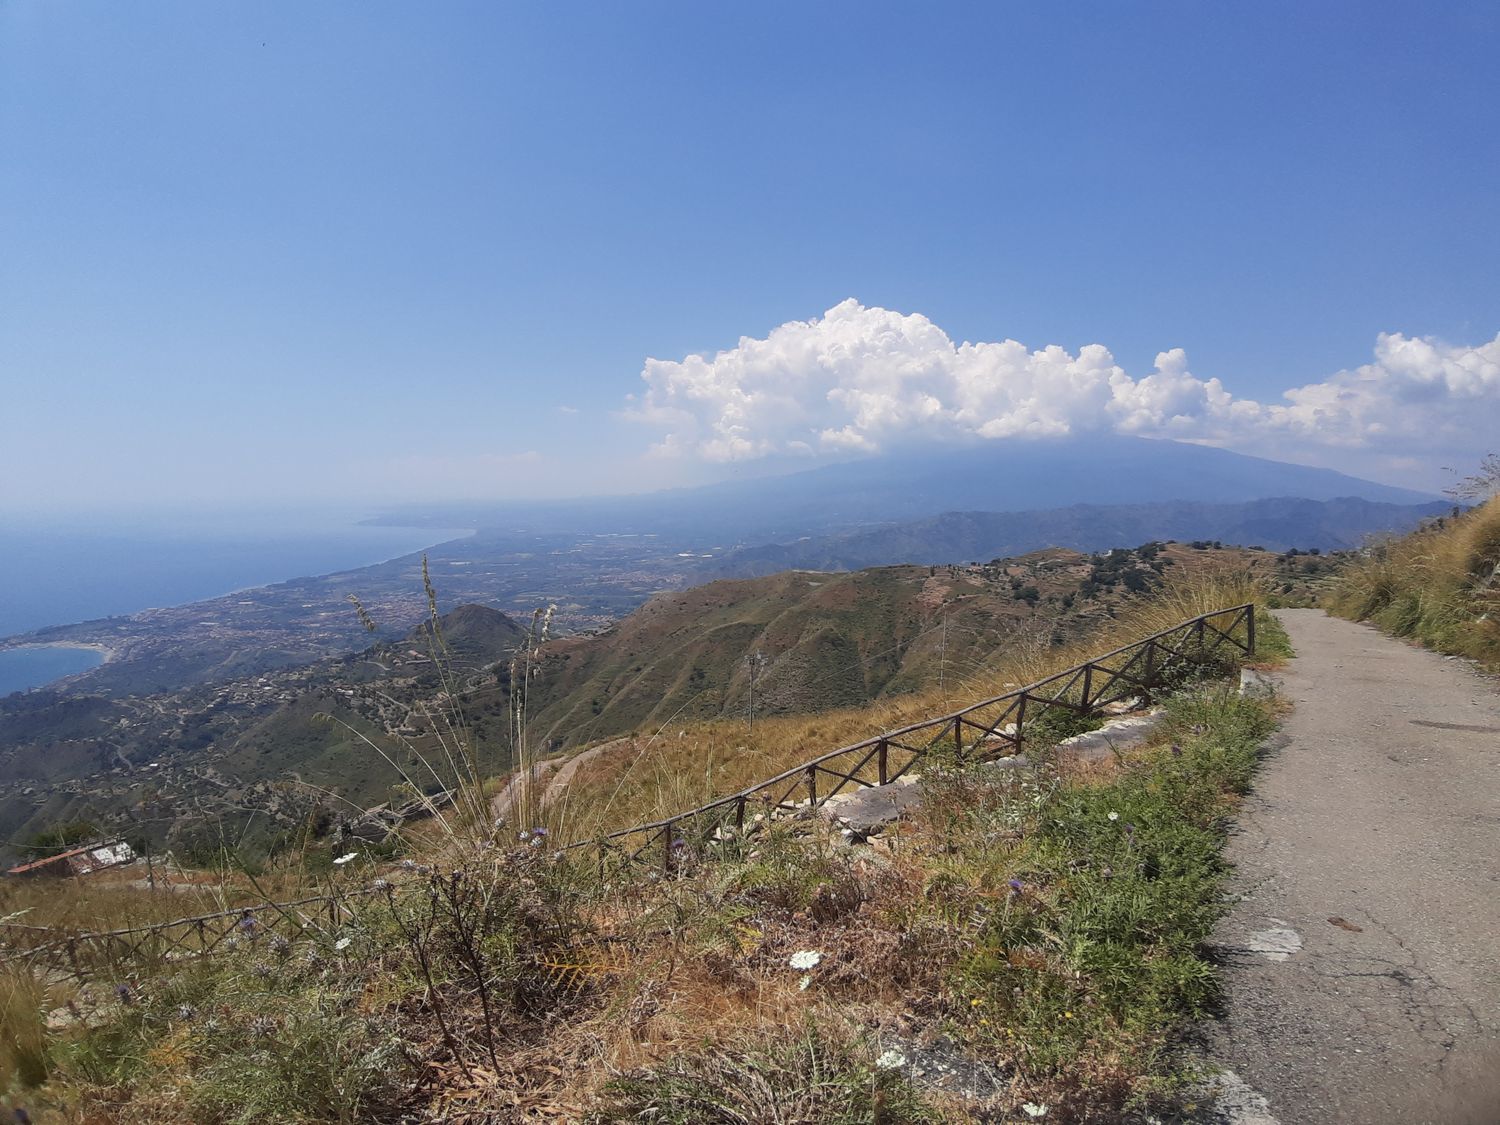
(1275, 524)
(987, 476)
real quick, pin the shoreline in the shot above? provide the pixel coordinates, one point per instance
(106, 653)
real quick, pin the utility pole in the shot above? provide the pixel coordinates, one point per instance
(755, 660)
(942, 660)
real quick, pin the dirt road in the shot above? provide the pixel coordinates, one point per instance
(1363, 964)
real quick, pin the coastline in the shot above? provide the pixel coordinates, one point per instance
(106, 653)
(52, 665)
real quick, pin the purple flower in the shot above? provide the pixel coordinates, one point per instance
(1016, 886)
(248, 924)
(538, 831)
(122, 993)
(1130, 830)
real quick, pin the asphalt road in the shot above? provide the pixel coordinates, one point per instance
(1363, 963)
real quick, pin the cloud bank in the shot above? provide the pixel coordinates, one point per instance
(865, 380)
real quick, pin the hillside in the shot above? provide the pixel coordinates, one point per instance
(265, 749)
(837, 640)
(207, 760)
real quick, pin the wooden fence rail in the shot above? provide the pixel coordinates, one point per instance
(991, 728)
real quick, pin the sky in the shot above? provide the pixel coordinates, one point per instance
(276, 254)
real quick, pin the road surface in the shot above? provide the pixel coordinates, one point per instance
(1362, 965)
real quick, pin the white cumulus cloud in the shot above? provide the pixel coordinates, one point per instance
(861, 379)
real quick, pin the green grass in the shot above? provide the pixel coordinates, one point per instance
(1093, 901)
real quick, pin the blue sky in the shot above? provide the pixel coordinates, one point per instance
(293, 253)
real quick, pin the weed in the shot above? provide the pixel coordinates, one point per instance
(815, 1074)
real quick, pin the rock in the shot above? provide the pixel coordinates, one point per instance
(1108, 740)
(867, 810)
(1256, 684)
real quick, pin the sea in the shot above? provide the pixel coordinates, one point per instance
(56, 573)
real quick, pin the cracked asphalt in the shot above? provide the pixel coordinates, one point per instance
(1362, 965)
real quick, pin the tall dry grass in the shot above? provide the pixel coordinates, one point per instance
(1439, 585)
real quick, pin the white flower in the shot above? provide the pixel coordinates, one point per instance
(805, 959)
(343, 859)
(342, 943)
(1031, 1109)
(1112, 816)
(890, 1060)
(803, 983)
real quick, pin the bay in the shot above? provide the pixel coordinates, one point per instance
(24, 668)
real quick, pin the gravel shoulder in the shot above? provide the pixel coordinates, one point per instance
(1362, 964)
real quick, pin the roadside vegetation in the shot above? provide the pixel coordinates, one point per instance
(1021, 946)
(1439, 586)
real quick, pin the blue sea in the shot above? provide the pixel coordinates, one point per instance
(55, 573)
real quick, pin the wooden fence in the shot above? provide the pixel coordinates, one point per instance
(85, 953)
(992, 728)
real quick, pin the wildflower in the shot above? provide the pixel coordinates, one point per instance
(1016, 886)
(342, 944)
(379, 886)
(984, 1022)
(538, 831)
(1067, 1015)
(348, 857)
(974, 1003)
(1031, 1109)
(805, 959)
(1130, 830)
(890, 1060)
(262, 970)
(280, 945)
(122, 994)
(248, 924)
(802, 985)
(186, 1013)
(1113, 816)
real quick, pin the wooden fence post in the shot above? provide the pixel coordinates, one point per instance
(881, 759)
(812, 786)
(1250, 630)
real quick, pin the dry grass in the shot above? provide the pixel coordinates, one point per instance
(1439, 585)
